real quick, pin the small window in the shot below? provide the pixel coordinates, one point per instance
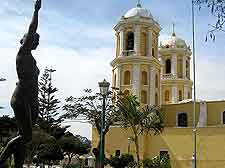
(168, 66)
(156, 99)
(130, 41)
(126, 93)
(153, 52)
(143, 97)
(126, 77)
(180, 95)
(144, 78)
(224, 117)
(156, 81)
(182, 120)
(167, 96)
(187, 70)
(117, 152)
(163, 154)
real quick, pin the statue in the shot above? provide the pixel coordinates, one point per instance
(24, 101)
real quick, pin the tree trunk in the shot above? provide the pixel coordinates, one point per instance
(137, 150)
(69, 160)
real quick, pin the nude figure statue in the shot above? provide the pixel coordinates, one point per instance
(24, 101)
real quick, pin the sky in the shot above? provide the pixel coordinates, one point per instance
(77, 39)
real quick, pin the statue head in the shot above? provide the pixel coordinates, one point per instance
(34, 40)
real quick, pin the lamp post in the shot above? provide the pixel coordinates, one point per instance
(104, 88)
(2, 79)
(130, 140)
(194, 156)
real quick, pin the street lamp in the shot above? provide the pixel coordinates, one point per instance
(130, 140)
(2, 79)
(104, 88)
(194, 157)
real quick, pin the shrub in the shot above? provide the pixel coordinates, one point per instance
(155, 162)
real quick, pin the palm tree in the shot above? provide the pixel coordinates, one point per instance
(140, 120)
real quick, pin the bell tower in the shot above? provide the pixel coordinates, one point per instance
(175, 55)
(136, 68)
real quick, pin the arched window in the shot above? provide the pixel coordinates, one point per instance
(168, 66)
(126, 93)
(126, 77)
(180, 95)
(130, 41)
(153, 52)
(187, 70)
(180, 68)
(143, 97)
(143, 44)
(144, 76)
(167, 96)
(182, 120)
(114, 83)
(156, 81)
(156, 99)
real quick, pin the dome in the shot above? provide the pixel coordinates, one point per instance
(174, 41)
(138, 11)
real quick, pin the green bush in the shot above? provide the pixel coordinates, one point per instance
(77, 165)
(155, 162)
(125, 160)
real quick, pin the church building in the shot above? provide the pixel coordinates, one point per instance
(158, 73)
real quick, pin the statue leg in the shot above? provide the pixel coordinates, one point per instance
(24, 123)
(16, 146)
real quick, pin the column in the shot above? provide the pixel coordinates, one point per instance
(149, 42)
(136, 79)
(185, 92)
(137, 40)
(121, 42)
(152, 85)
(174, 65)
(184, 67)
(174, 94)
(118, 79)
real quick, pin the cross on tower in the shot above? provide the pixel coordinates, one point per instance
(174, 34)
(138, 3)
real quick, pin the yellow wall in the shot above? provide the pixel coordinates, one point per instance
(177, 141)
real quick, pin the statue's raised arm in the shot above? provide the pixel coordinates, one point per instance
(30, 35)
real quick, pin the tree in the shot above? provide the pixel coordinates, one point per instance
(49, 152)
(217, 9)
(125, 160)
(89, 107)
(8, 128)
(47, 102)
(74, 145)
(147, 120)
(156, 162)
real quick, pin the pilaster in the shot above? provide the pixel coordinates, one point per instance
(152, 85)
(121, 41)
(149, 42)
(174, 94)
(137, 39)
(174, 65)
(184, 67)
(136, 79)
